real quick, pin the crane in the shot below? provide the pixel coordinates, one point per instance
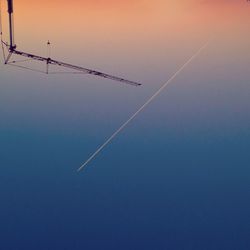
(12, 50)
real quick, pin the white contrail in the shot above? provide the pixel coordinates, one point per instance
(141, 108)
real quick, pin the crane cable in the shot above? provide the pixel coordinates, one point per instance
(1, 24)
(23, 67)
(1, 32)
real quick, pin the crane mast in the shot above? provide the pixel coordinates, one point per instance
(11, 25)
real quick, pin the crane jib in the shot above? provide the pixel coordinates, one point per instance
(12, 50)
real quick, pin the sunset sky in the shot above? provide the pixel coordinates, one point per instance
(177, 177)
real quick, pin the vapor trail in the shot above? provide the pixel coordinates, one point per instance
(141, 108)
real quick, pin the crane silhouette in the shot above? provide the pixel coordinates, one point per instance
(12, 50)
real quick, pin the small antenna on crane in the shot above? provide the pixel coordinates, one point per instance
(12, 50)
(48, 49)
(48, 56)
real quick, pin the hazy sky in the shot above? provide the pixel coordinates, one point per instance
(177, 177)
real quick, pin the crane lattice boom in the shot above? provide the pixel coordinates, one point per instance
(12, 50)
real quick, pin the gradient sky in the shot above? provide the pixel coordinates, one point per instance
(177, 178)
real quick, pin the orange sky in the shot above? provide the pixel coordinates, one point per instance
(72, 15)
(88, 23)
